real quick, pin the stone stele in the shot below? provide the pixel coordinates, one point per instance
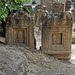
(19, 28)
(57, 34)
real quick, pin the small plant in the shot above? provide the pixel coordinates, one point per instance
(9, 6)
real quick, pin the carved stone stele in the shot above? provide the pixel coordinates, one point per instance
(57, 34)
(19, 28)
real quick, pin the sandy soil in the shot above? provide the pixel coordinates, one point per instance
(20, 60)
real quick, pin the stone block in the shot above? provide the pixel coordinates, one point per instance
(19, 28)
(57, 34)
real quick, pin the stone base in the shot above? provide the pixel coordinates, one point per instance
(65, 55)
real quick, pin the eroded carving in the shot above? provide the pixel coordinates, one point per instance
(19, 28)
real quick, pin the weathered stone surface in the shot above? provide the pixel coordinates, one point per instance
(2, 39)
(48, 4)
(68, 5)
(58, 6)
(74, 10)
(57, 34)
(38, 24)
(73, 36)
(40, 10)
(37, 7)
(73, 13)
(19, 28)
(59, 1)
(38, 16)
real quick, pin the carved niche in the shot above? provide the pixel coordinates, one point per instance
(57, 38)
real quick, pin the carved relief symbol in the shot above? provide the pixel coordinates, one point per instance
(57, 38)
(54, 38)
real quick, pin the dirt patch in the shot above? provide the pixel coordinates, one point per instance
(20, 60)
